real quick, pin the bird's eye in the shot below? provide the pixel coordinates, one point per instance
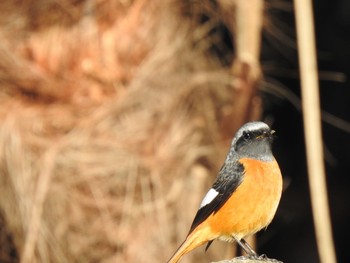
(247, 135)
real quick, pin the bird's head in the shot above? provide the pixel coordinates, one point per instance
(253, 140)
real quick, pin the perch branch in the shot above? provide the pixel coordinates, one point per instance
(261, 259)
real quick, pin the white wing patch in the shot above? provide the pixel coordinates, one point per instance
(212, 193)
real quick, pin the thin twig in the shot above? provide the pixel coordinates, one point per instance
(35, 219)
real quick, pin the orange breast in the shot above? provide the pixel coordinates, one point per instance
(254, 203)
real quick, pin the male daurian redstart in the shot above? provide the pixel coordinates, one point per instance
(244, 197)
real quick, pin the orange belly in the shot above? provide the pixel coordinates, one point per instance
(254, 203)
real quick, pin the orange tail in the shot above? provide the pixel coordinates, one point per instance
(193, 240)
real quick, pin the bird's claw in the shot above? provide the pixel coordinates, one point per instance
(257, 257)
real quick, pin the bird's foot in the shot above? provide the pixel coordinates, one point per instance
(257, 257)
(263, 257)
(254, 256)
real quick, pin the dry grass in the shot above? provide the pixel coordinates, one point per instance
(111, 115)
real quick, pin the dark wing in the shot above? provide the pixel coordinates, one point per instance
(229, 178)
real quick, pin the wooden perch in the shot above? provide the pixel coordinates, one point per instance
(261, 259)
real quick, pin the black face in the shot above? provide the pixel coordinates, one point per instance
(255, 143)
(248, 137)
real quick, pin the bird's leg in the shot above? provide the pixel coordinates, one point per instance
(251, 251)
(244, 244)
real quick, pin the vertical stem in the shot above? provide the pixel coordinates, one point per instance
(312, 129)
(249, 20)
(246, 68)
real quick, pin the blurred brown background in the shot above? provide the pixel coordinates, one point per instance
(116, 116)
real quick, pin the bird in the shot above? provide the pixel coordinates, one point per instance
(244, 197)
